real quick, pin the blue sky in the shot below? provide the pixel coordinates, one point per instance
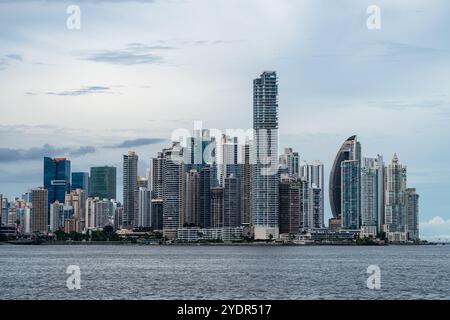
(137, 70)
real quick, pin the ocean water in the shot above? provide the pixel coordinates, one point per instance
(224, 272)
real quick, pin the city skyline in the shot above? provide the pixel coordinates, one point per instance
(371, 100)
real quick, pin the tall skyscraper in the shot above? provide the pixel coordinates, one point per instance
(39, 212)
(173, 177)
(351, 195)
(217, 207)
(395, 213)
(56, 179)
(245, 185)
(231, 202)
(103, 182)
(192, 198)
(143, 208)
(350, 150)
(80, 180)
(205, 196)
(156, 176)
(412, 213)
(289, 206)
(130, 186)
(314, 175)
(264, 193)
(372, 193)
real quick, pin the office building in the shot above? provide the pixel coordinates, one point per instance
(412, 213)
(103, 182)
(56, 180)
(231, 202)
(289, 203)
(80, 180)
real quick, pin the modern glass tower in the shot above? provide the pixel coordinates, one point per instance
(130, 186)
(264, 193)
(350, 150)
(56, 179)
(103, 182)
(372, 193)
(80, 180)
(351, 194)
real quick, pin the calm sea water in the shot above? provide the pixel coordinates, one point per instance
(224, 272)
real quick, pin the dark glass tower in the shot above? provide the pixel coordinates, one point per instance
(103, 182)
(350, 150)
(80, 180)
(56, 179)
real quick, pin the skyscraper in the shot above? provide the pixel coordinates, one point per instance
(245, 185)
(412, 213)
(217, 207)
(395, 213)
(350, 190)
(130, 185)
(80, 180)
(264, 193)
(372, 193)
(231, 202)
(39, 211)
(314, 175)
(103, 182)
(56, 179)
(289, 206)
(173, 176)
(157, 165)
(143, 208)
(205, 196)
(192, 198)
(77, 200)
(1, 209)
(350, 150)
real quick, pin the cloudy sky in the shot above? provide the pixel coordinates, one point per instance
(137, 70)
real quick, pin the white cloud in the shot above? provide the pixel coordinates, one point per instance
(436, 229)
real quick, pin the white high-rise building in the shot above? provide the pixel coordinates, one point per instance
(264, 195)
(372, 193)
(143, 208)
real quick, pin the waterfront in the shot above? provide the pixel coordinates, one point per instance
(224, 272)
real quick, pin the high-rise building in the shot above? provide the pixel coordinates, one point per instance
(217, 207)
(56, 216)
(395, 213)
(231, 202)
(80, 180)
(77, 200)
(130, 186)
(372, 193)
(412, 213)
(157, 214)
(289, 206)
(56, 180)
(103, 182)
(290, 162)
(157, 165)
(143, 208)
(39, 213)
(264, 195)
(350, 150)
(1, 209)
(192, 198)
(205, 196)
(314, 175)
(245, 178)
(351, 195)
(173, 176)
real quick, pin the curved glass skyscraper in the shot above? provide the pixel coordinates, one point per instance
(350, 150)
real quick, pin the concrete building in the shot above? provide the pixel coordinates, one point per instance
(130, 186)
(39, 215)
